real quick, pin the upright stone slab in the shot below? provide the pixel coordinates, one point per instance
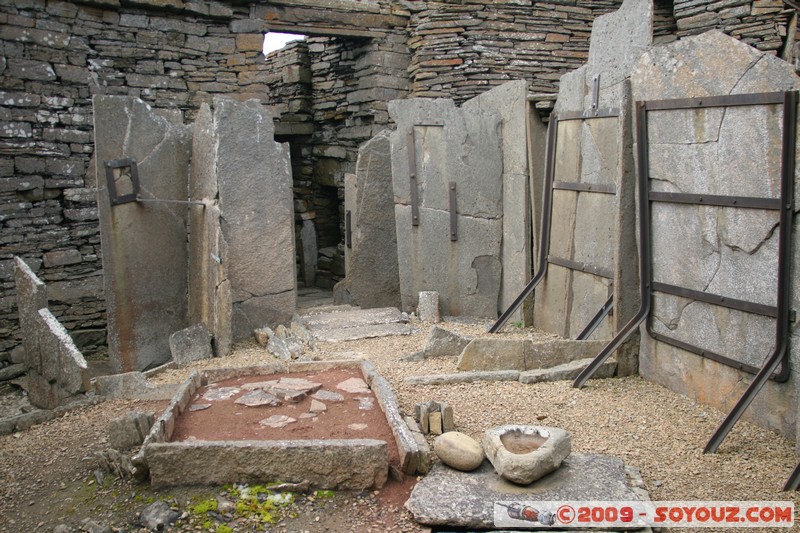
(522, 135)
(372, 278)
(589, 227)
(246, 241)
(730, 252)
(143, 244)
(452, 146)
(31, 296)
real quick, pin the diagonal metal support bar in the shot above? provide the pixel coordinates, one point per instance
(784, 268)
(794, 479)
(544, 240)
(597, 319)
(645, 266)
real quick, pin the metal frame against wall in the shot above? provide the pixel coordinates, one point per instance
(785, 204)
(550, 187)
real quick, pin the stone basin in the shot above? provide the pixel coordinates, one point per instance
(522, 454)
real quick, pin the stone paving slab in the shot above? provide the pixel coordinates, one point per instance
(337, 326)
(466, 499)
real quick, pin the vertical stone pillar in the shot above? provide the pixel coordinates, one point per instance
(143, 244)
(243, 250)
(372, 278)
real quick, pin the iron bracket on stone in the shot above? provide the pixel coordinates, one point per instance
(596, 93)
(348, 228)
(453, 214)
(597, 319)
(111, 183)
(412, 176)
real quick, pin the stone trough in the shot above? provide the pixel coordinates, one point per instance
(325, 463)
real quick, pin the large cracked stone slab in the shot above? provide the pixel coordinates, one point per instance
(31, 297)
(732, 151)
(447, 497)
(372, 278)
(245, 251)
(462, 147)
(143, 244)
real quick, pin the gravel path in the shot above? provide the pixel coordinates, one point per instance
(44, 482)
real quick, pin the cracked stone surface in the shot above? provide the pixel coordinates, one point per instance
(730, 252)
(463, 146)
(143, 245)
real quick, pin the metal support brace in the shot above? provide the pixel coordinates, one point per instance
(784, 282)
(348, 228)
(453, 214)
(412, 176)
(597, 319)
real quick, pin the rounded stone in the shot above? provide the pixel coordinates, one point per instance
(458, 450)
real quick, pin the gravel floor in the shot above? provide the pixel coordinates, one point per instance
(649, 427)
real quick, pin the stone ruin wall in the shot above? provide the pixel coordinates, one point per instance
(55, 55)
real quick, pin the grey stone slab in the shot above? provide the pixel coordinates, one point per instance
(443, 343)
(618, 40)
(448, 497)
(254, 180)
(364, 332)
(730, 252)
(567, 371)
(464, 377)
(144, 245)
(372, 277)
(428, 306)
(190, 345)
(345, 319)
(462, 146)
(355, 464)
(31, 297)
(550, 353)
(468, 283)
(511, 102)
(589, 294)
(493, 354)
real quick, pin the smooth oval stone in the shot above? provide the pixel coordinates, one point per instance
(458, 450)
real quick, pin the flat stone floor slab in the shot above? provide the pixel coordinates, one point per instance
(353, 324)
(447, 497)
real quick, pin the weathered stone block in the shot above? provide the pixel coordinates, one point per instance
(31, 297)
(355, 464)
(493, 354)
(129, 430)
(190, 344)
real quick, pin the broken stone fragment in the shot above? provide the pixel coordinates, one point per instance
(317, 407)
(258, 398)
(327, 396)
(263, 335)
(354, 386)
(357, 427)
(199, 407)
(435, 423)
(366, 403)
(222, 393)
(278, 421)
(523, 454)
(129, 430)
(458, 450)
